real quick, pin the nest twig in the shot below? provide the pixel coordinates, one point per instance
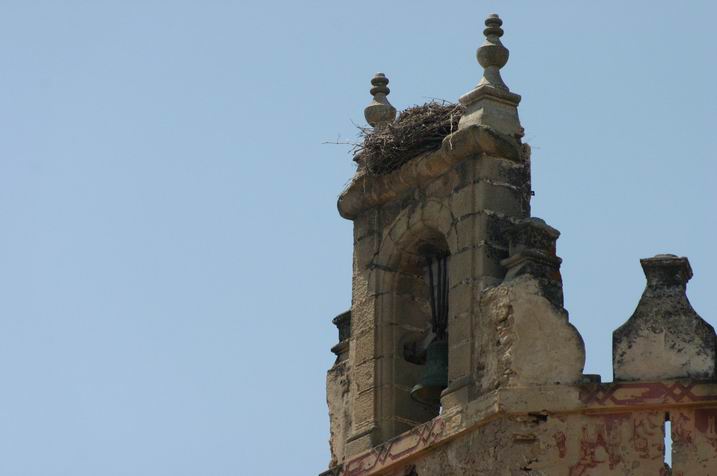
(419, 129)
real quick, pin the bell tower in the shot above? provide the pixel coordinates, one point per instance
(457, 355)
(429, 236)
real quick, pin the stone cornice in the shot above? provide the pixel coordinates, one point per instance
(368, 191)
(495, 94)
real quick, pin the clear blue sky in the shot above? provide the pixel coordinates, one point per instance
(171, 255)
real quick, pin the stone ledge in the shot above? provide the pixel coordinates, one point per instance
(366, 191)
(544, 400)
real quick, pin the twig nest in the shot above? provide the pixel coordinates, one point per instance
(419, 129)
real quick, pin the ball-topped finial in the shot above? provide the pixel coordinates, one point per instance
(493, 25)
(380, 111)
(380, 84)
(492, 55)
(490, 103)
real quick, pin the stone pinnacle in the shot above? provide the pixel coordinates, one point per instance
(492, 55)
(380, 111)
(490, 103)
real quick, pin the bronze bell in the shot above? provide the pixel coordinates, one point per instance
(435, 378)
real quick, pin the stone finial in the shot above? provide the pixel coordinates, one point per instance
(380, 111)
(491, 103)
(664, 338)
(492, 55)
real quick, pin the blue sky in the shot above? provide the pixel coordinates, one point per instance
(171, 255)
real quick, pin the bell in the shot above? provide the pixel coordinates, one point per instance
(435, 379)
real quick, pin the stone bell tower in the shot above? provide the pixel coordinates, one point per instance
(457, 356)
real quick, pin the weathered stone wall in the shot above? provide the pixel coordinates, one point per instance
(517, 332)
(536, 414)
(464, 204)
(611, 444)
(338, 385)
(580, 430)
(337, 395)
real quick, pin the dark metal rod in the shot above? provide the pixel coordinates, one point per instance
(443, 288)
(433, 297)
(445, 292)
(439, 292)
(438, 287)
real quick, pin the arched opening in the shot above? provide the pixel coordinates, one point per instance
(419, 322)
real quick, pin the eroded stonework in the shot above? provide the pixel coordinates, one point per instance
(517, 333)
(513, 398)
(665, 337)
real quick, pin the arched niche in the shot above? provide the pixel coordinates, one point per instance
(405, 328)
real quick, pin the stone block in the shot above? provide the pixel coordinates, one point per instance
(481, 227)
(364, 438)
(461, 267)
(499, 198)
(694, 450)
(488, 259)
(463, 201)
(364, 376)
(410, 312)
(461, 299)
(501, 170)
(380, 281)
(364, 410)
(398, 227)
(456, 396)
(388, 213)
(359, 285)
(365, 224)
(365, 347)
(493, 107)
(664, 338)
(468, 266)
(459, 327)
(363, 315)
(337, 397)
(365, 250)
(527, 327)
(466, 171)
(436, 215)
(459, 361)
(443, 185)
(484, 195)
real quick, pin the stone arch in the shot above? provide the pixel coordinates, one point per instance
(410, 225)
(404, 314)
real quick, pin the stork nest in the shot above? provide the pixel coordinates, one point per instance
(419, 129)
